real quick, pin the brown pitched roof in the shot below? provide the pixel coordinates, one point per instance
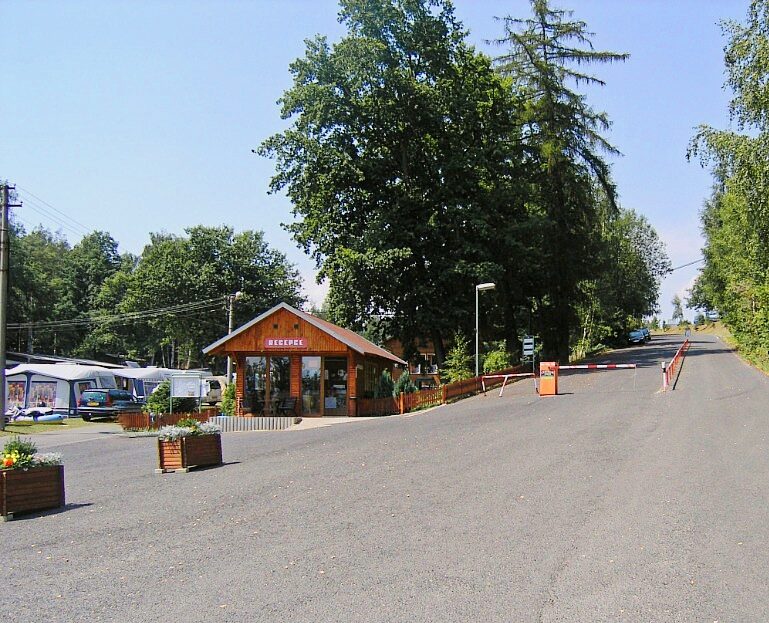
(350, 338)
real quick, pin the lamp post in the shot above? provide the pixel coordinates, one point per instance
(231, 298)
(478, 288)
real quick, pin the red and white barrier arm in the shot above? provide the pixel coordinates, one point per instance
(598, 366)
(506, 378)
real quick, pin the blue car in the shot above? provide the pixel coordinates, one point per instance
(636, 337)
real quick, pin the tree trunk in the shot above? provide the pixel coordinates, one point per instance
(440, 350)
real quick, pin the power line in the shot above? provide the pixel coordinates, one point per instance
(702, 259)
(36, 206)
(65, 215)
(40, 329)
(206, 305)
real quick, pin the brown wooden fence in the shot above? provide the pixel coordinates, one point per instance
(144, 421)
(431, 397)
(378, 406)
(460, 389)
(420, 400)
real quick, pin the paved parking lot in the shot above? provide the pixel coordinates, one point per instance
(611, 502)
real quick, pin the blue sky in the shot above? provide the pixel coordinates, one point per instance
(137, 117)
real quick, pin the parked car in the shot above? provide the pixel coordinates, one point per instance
(647, 334)
(108, 403)
(636, 337)
(713, 316)
(216, 386)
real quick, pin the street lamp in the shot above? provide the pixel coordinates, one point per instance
(478, 288)
(231, 298)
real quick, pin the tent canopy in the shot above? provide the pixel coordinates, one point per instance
(62, 371)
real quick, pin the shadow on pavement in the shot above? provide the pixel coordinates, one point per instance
(53, 511)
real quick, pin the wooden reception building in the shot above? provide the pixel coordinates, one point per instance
(288, 360)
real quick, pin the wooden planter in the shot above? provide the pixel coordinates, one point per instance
(191, 451)
(34, 489)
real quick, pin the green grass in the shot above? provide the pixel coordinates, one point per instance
(31, 429)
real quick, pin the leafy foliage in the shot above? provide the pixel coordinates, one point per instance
(404, 385)
(417, 168)
(497, 359)
(546, 53)
(735, 220)
(49, 281)
(228, 399)
(459, 361)
(678, 312)
(385, 385)
(399, 148)
(159, 401)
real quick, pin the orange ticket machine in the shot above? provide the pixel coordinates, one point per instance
(548, 378)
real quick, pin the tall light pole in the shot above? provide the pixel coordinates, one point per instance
(4, 243)
(231, 298)
(478, 288)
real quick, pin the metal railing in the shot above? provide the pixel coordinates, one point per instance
(671, 370)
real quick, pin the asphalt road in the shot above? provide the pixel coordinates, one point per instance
(609, 502)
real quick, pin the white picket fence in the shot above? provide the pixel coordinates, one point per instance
(231, 424)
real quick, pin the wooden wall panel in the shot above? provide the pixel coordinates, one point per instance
(352, 386)
(296, 380)
(284, 324)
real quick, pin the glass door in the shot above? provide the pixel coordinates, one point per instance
(280, 381)
(255, 385)
(311, 386)
(335, 386)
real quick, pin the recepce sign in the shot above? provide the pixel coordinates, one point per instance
(285, 343)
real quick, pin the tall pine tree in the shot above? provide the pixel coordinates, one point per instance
(545, 55)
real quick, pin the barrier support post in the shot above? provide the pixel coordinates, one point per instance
(664, 376)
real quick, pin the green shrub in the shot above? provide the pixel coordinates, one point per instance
(158, 401)
(404, 384)
(459, 361)
(497, 359)
(228, 400)
(385, 386)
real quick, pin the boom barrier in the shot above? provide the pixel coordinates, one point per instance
(598, 366)
(506, 378)
(554, 368)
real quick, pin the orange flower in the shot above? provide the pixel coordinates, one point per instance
(8, 461)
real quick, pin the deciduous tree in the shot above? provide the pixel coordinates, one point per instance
(397, 160)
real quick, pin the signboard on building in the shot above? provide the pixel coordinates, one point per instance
(285, 343)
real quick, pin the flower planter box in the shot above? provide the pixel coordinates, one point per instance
(191, 451)
(29, 490)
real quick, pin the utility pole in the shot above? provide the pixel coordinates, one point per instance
(5, 240)
(231, 298)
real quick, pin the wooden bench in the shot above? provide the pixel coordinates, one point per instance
(287, 406)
